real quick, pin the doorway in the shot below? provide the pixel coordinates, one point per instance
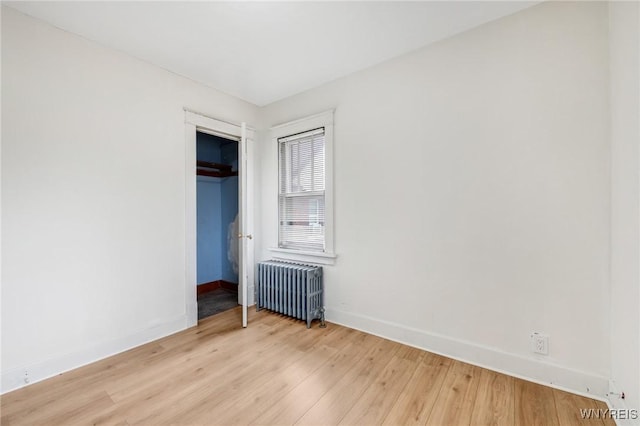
(217, 223)
(194, 123)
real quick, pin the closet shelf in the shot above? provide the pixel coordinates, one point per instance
(207, 168)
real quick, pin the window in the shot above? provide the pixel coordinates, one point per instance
(305, 203)
(301, 195)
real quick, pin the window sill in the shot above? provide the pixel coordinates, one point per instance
(304, 256)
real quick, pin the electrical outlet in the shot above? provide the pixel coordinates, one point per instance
(540, 343)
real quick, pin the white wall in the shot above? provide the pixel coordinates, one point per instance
(625, 221)
(93, 190)
(474, 198)
(472, 195)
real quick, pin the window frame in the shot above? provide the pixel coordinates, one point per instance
(293, 190)
(325, 120)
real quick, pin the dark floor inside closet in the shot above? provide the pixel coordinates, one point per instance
(216, 301)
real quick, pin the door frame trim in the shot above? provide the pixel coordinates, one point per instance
(195, 122)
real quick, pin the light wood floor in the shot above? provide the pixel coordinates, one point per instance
(278, 372)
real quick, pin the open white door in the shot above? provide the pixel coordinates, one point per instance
(245, 259)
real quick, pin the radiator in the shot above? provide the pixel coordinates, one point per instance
(291, 289)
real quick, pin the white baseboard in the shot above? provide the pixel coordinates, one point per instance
(14, 378)
(531, 369)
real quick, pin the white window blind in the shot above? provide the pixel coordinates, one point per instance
(302, 191)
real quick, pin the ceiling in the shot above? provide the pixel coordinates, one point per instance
(265, 51)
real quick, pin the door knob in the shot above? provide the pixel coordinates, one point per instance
(249, 236)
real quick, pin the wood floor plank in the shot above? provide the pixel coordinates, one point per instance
(194, 359)
(194, 388)
(375, 403)
(568, 407)
(454, 404)
(494, 405)
(294, 404)
(294, 363)
(332, 406)
(242, 408)
(279, 372)
(79, 413)
(265, 387)
(62, 410)
(534, 405)
(76, 383)
(414, 405)
(607, 420)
